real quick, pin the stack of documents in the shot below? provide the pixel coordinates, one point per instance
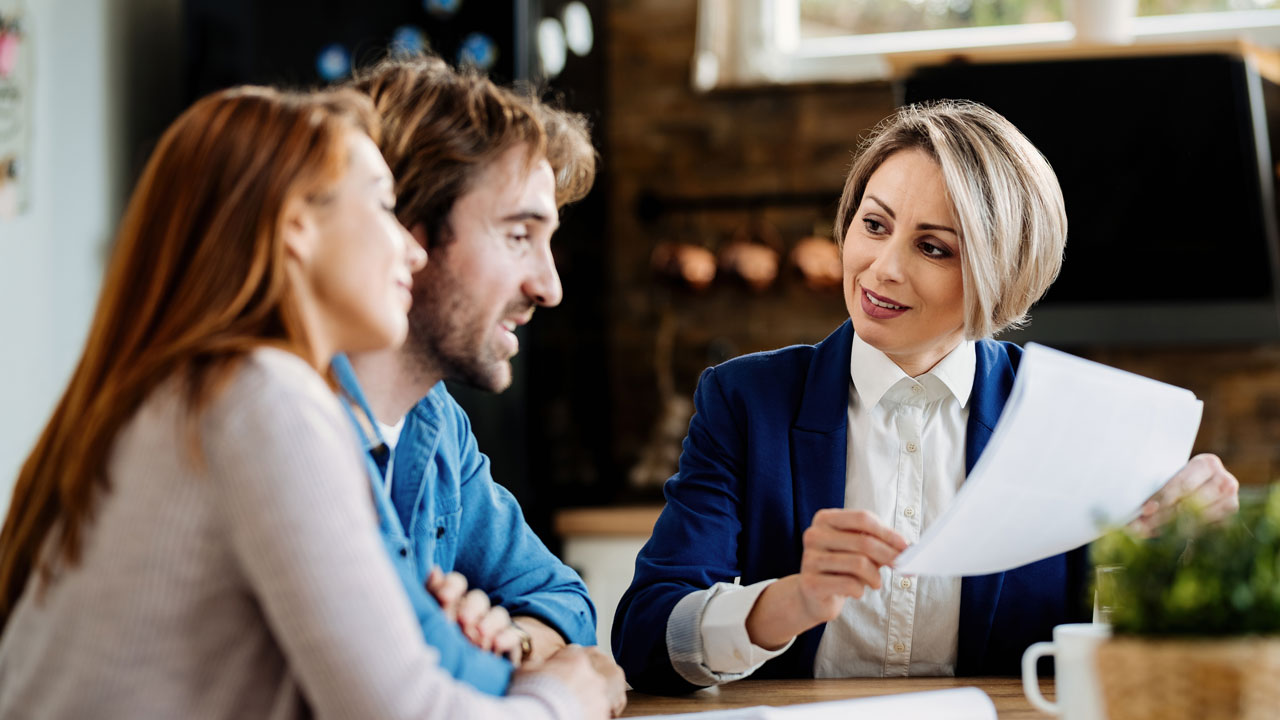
(959, 704)
(1079, 448)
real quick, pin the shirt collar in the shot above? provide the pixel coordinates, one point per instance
(355, 403)
(873, 373)
(391, 433)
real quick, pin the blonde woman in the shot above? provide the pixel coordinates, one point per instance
(807, 470)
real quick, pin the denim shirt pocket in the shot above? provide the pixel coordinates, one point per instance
(438, 533)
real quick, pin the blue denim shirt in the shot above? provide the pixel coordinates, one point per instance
(441, 493)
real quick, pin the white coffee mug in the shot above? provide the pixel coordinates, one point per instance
(1106, 22)
(1073, 648)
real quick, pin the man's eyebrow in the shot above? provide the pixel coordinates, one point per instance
(524, 215)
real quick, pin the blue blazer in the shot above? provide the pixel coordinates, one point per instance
(766, 450)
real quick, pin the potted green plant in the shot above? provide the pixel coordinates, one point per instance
(1195, 614)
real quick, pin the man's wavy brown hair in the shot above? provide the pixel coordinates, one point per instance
(442, 127)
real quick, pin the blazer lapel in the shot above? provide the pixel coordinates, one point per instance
(979, 595)
(818, 473)
(819, 448)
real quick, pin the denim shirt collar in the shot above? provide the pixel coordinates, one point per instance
(370, 436)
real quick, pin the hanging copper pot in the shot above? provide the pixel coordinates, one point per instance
(818, 261)
(751, 255)
(684, 264)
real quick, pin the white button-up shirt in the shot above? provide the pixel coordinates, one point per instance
(906, 459)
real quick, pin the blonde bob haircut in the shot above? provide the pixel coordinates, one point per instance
(1013, 224)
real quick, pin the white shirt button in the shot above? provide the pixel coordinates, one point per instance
(899, 647)
(916, 389)
(910, 511)
(905, 583)
(911, 447)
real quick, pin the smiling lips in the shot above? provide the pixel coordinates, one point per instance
(881, 307)
(510, 342)
(406, 288)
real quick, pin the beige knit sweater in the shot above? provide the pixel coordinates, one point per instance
(255, 587)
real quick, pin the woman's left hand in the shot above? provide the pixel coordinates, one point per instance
(1203, 481)
(487, 627)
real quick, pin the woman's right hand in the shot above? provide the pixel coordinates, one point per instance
(844, 551)
(575, 667)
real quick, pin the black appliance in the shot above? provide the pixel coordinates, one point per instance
(1166, 168)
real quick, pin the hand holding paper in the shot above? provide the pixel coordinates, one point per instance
(1204, 482)
(1079, 448)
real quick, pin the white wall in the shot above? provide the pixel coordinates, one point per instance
(607, 566)
(93, 91)
(49, 258)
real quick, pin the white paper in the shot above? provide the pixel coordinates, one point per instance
(968, 703)
(1079, 448)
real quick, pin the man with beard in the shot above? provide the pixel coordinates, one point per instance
(481, 173)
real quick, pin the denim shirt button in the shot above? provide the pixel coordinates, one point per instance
(439, 532)
(404, 552)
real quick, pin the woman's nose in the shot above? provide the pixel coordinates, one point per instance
(888, 265)
(415, 254)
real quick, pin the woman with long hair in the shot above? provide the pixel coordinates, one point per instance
(193, 534)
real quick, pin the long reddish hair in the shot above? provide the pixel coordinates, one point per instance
(197, 279)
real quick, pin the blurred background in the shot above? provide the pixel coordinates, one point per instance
(725, 128)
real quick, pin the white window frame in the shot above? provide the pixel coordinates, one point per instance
(757, 42)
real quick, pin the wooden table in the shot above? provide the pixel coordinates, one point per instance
(1005, 693)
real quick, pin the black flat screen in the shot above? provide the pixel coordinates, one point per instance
(1159, 167)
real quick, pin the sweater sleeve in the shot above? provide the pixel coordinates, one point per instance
(302, 528)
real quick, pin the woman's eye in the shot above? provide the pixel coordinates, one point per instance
(872, 225)
(934, 251)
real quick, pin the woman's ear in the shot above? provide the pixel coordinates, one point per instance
(299, 229)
